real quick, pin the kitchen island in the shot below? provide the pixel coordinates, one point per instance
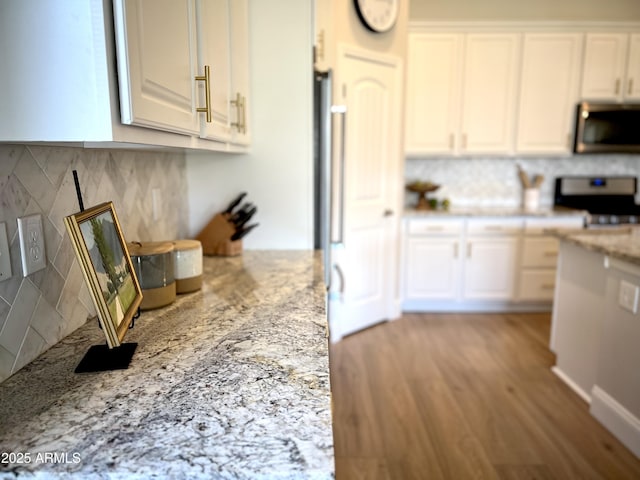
(231, 381)
(595, 330)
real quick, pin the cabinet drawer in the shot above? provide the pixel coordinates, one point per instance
(494, 226)
(537, 285)
(540, 252)
(537, 226)
(436, 227)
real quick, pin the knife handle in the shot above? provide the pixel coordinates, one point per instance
(235, 203)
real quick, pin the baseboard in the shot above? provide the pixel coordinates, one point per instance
(571, 384)
(617, 419)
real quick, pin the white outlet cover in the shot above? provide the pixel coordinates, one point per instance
(628, 296)
(5, 258)
(31, 244)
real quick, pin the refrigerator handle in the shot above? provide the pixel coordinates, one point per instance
(342, 111)
(338, 294)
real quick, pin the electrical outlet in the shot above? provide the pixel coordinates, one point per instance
(5, 258)
(31, 244)
(628, 296)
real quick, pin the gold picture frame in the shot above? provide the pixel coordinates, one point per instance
(102, 253)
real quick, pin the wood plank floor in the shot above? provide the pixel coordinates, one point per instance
(458, 396)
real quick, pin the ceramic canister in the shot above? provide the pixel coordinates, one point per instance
(187, 265)
(153, 263)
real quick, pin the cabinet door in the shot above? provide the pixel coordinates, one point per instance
(632, 87)
(537, 285)
(213, 50)
(240, 100)
(432, 269)
(490, 268)
(604, 66)
(488, 96)
(433, 85)
(547, 101)
(156, 63)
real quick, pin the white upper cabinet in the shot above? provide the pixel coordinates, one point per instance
(549, 91)
(460, 93)
(56, 83)
(213, 32)
(611, 67)
(61, 83)
(240, 125)
(198, 55)
(433, 92)
(157, 64)
(632, 92)
(504, 88)
(488, 94)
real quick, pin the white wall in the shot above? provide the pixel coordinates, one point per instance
(596, 10)
(338, 21)
(278, 172)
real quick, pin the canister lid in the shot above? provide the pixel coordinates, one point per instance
(186, 244)
(142, 249)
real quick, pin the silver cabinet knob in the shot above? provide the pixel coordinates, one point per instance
(388, 212)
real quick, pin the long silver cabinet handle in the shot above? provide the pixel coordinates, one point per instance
(340, 110)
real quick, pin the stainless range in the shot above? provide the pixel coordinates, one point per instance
(610, 201)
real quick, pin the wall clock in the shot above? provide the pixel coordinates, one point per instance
(378, 15)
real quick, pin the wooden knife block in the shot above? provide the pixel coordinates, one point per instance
(216, 237)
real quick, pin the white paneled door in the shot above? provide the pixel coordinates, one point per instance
(370, 87)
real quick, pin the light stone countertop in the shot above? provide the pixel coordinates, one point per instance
(620, 243)
(494, 212)
(231, 381)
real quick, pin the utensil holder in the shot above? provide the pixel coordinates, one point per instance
(216, 237)
(531, 199)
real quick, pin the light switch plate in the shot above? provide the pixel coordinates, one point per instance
(5, 258)
(31, 244)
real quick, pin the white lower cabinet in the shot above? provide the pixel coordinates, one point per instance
(540, 256)
(490, 268)
(481, 263)
(433, 262)
(492, 246)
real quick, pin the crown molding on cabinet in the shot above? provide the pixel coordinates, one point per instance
(522, 26)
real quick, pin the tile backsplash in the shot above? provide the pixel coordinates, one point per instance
(494, 182)
(39, 310)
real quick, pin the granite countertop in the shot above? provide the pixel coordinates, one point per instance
(495, 212)
(622, 243)
(231, 381)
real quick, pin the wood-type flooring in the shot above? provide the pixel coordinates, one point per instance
(464, 396)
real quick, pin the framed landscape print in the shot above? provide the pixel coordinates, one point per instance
(103, 257)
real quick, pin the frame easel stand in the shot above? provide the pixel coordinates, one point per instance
(101, 358)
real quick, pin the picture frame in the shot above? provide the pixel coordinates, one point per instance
(102, 253)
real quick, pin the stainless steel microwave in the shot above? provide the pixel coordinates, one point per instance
(607, 128)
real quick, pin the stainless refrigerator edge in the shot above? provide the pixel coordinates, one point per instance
(329, 140)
